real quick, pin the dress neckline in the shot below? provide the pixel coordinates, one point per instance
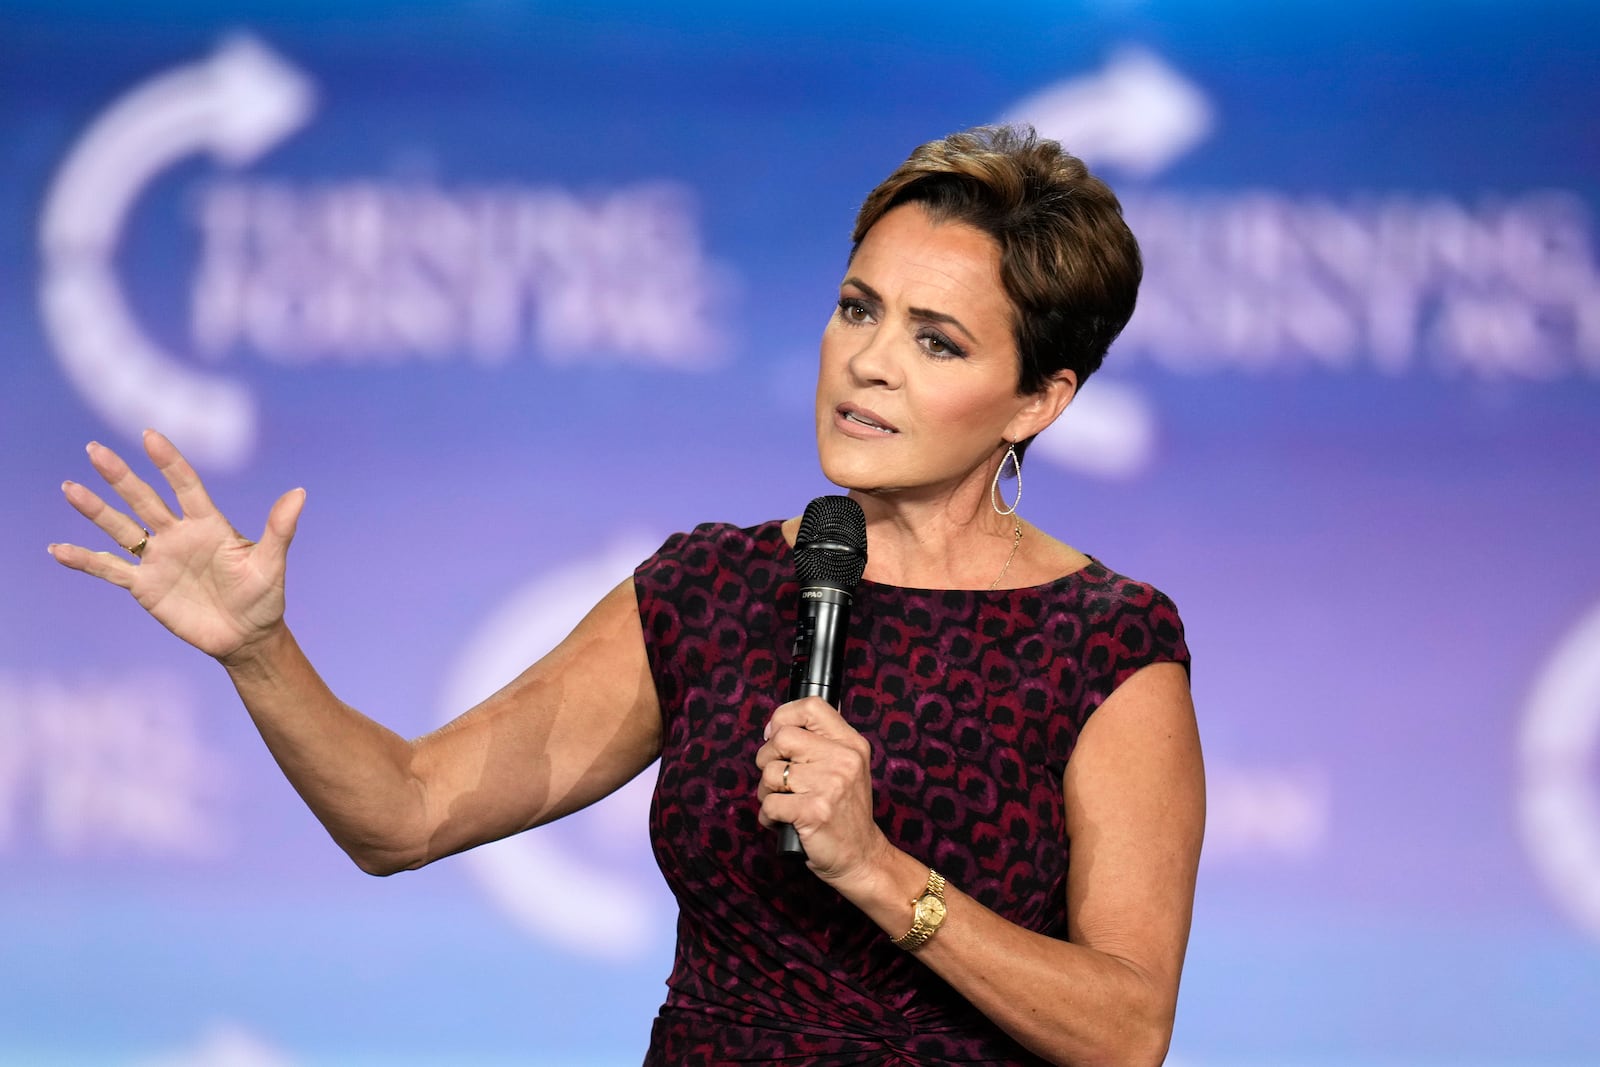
(1094, 567)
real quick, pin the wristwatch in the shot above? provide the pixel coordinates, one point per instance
(927, 912)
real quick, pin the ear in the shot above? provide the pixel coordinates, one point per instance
(1040, 409)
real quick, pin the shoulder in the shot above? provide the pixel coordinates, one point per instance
(705, 591)
(714, 540)
(1128, 623)
(1109, 594)
(699, 554)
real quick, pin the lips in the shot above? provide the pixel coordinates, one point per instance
(862, 417)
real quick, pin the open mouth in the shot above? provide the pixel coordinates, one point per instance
(863, 419)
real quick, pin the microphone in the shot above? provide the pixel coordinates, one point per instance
(830, 554)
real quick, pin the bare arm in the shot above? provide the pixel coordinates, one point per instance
(1135, 798)
(571, 729)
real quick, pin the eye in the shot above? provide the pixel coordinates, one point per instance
(939, 346)
(853, 311)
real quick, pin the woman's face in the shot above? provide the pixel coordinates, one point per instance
(917, 389)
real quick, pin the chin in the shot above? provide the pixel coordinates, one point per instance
(845, 471)
(842, 479)
(857, 482)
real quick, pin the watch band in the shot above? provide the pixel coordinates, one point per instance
(927, 913)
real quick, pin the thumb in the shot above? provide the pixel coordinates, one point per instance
(282, 521)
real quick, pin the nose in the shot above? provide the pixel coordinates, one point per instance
(874, 361)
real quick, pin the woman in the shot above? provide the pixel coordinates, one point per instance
(1006, 697)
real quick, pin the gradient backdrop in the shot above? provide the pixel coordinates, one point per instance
(517, 289)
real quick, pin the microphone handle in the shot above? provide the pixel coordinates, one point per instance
(817, 667)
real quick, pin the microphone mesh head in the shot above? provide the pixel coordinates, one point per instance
(831, 547)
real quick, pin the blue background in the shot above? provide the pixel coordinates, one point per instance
(1377, 561)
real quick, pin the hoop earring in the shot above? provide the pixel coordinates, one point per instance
(994, 487)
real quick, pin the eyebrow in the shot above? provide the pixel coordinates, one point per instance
(917, 313)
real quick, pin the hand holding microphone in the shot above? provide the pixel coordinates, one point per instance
(830, 555)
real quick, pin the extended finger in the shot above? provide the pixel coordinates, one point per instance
(145, 503)
(193, 500)
(113, 523)
(103, 565)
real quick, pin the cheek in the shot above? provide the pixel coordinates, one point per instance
(961, 408)
(824, 368)
(833, 357)
(976, 417)
(832, 346)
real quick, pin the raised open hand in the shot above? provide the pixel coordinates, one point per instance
(194, 573)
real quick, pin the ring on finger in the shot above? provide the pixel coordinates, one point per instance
(787, 767)
(137, 550)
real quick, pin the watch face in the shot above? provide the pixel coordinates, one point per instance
(930, 911)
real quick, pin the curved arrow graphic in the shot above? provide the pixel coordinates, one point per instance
(1137, 114)
(553, 891)
(1109, 431)
(1559, 787)
(235, 106)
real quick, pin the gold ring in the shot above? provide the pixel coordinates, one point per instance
(787, 767)
(138, 550)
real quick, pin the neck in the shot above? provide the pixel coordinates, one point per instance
(944, 544)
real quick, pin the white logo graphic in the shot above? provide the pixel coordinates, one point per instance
(382, 270)
(1284, 811)
(235, 106)
(1559, 759)
(370, 270)
(570, 897)
(98, 767)
(1137, 115)
(1261, 282)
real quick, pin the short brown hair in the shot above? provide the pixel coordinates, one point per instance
(1068, 261)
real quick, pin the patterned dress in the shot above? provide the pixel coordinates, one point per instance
(972, 701)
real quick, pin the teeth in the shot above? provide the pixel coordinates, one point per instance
(853, 417)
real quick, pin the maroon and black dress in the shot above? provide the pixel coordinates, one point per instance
(972, 701)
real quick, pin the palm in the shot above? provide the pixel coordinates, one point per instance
(207, 584)
(197, 576)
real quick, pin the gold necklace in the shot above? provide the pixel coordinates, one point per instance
(1016, 541)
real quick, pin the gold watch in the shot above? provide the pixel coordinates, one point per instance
(927, 912)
